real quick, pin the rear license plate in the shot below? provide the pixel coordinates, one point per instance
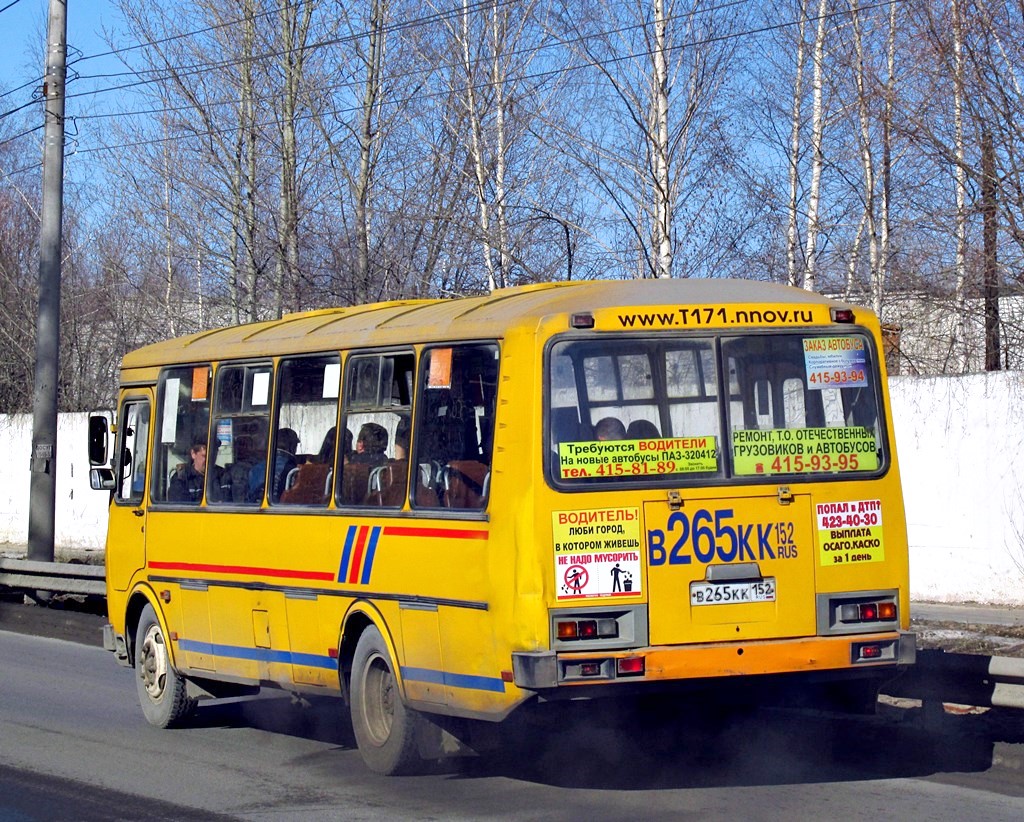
(730, 593)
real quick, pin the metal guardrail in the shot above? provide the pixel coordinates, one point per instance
(966, 679)
(58, 577)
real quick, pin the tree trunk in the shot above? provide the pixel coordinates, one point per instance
(793, 267)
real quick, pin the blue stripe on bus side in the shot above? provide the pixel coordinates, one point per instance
(346, 553)
(469, 681)
(475, 683)
(370, 550)
(258, 654)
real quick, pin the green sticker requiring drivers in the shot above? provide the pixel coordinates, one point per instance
(804, 451)
(635, 458)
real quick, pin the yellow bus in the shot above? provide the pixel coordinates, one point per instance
(553, 491)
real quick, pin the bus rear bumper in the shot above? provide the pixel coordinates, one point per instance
(548, 669)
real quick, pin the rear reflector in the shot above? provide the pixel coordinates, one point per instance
(870, 651)
(630, 666)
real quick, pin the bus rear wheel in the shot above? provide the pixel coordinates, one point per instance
(385, 729)
(162, 691)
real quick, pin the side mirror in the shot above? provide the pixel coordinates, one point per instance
(101, 479)
(99, 427)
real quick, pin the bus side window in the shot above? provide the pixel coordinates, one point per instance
(132, 451)
(458, 396)
(241, 428)
(377, 405)
(183, 405)
(308, 390)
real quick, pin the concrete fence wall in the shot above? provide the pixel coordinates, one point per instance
(961, 449)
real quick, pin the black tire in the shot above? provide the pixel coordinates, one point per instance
(162, 693)
(385, 729)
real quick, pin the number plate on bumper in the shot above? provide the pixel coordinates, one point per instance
(729, 593)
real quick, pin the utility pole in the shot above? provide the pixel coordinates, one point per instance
(43, 484)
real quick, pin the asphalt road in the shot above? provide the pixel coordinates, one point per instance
(73, 745)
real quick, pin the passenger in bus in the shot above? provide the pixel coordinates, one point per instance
(402, 439)
(371, 444)
(284, 461)
(187, 480)
(325, 456)
(642, 430)
(387, 482)
(610, 428)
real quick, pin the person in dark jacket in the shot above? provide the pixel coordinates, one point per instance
(188, 479)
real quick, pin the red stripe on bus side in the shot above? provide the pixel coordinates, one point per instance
(446, 533)
(240, 569)
(357, 555)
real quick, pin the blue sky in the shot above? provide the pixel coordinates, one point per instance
(23, 31)
(22, 42)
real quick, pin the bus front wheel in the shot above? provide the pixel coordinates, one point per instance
(385, 729)
(162, 692)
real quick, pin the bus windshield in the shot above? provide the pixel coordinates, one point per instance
(700, 409)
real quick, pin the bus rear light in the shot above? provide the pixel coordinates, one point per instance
(842, 315)
(887, 611)
(630, 666)
(569, 629)
(590, 669)
(856, 612)
(581, 321)
(566, 629)
(870, 651)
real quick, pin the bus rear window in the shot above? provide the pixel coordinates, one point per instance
(802, 404)
(699, 409)
(630, 410)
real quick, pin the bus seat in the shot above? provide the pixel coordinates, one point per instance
(307, 485)
(355, 483)
(376, 480)
(464, 483)
(427, 477)
(387, 484)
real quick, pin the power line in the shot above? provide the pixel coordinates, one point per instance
(25, 133)
(165, 74)
(9, 5)
(542, 75)
(201, 68)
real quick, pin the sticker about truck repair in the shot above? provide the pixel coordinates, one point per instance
(804, 450)
(597, 552)
(850, 532)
